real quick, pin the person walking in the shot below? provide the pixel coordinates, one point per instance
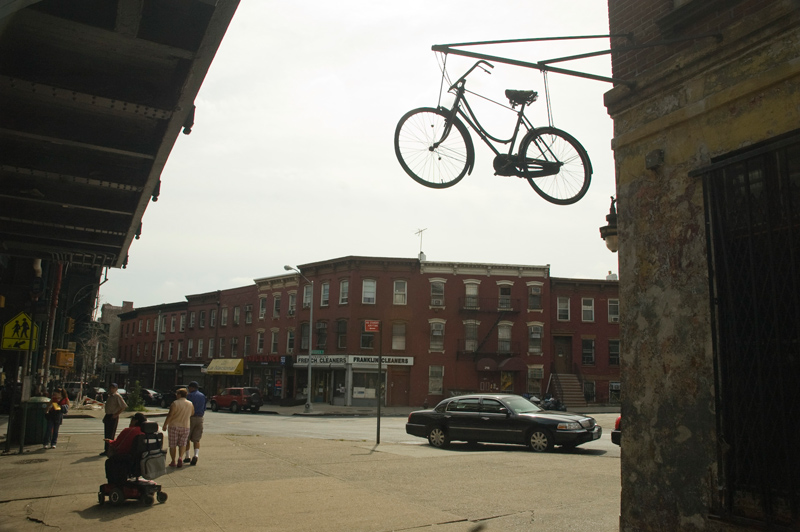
(54, 416)
(177, 424)
(198, 400)
(115, 405)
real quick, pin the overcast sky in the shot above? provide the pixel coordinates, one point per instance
(291, 158)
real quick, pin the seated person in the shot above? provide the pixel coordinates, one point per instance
(120, 463)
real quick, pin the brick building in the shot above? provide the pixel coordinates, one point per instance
(445, 328)
(707, 151)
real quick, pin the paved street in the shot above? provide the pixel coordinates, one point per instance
(299, 473)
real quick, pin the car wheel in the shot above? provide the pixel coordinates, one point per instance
(234, 407)
(214, 406)
(438, 437)
(540, 441)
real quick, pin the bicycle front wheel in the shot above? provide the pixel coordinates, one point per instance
(432, 153)
(556, 165)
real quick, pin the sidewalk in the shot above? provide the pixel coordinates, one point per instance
(245, 483)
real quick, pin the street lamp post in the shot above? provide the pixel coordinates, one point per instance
(310, 336)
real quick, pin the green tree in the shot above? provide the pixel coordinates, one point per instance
(135, 400)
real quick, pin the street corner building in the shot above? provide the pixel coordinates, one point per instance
(405, 332)
(707, 149)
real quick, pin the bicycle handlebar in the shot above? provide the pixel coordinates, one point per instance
(468, 72)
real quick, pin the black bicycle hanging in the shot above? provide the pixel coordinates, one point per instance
(435, 148)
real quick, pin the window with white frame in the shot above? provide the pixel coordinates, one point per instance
(614, 392)
(210, 348)
(437, 335)
(471, 295)
(613, 310)
(563, 309)
(248, 314)
(400, 292)
(437, 293)
(172, 323)
(504, 338)
(367, 338)
(534, 297)
(237, 314)
(262, 307)
(223, 317)
(292, 303)
(189, 348)
(199, 348)
(435, 380)
(234, 347)
(212, 318)
(587, 351)
(341, 334)
(221, 351)
(344, 291)
(192, 319)
(587, 309)
(147, 325)
(170, 350)
(398, 336)
(276, 306)
(307, 296)
(535, 331)
(180, 349)
(589, 391)
(368, 291)
(246, 346)
(504, 301)
(290, 340)
(325, 294)
(535, 376)
(260, 342)
(322, 334)
(273, 345)
(304, 336)
(183, 322)
(201, 321)
(613, 352)
(140, 325)
(164, 325)
(471, 336)
(138, 353)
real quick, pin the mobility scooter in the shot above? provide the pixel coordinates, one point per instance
(149, 461)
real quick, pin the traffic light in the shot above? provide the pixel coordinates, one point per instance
(70, 325)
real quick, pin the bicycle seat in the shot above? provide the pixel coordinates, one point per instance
(521, 97)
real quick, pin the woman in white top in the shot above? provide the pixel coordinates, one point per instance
(180, 412)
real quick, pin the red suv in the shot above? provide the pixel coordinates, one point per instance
(237, 399)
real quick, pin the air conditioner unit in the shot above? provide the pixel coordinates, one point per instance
(615, 319)
(291, 312)
(437, 302)
(289, 351)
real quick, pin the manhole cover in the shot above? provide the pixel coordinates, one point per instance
(33, 461)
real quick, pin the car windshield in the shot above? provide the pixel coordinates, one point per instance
(520, 405)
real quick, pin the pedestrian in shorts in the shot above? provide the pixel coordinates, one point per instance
(198, 400)
(177, 425)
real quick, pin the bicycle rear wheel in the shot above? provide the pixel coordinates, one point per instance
(547, 150)
(428, 158)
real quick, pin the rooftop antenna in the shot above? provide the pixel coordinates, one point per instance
(419, 232)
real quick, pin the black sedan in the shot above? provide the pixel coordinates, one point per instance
(501, 418)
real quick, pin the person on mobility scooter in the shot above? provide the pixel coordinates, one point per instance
(136, 452)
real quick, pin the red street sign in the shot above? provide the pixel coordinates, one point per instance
(372, 325)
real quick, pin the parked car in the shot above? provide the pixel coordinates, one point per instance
(237, 399)
(501, 418)
(151, 397)
(616, 434)
(167, 398)
(74, 387)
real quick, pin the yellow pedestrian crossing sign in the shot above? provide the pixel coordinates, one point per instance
(20, 333)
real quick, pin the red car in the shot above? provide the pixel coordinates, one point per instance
(237, 399)
(616, 434)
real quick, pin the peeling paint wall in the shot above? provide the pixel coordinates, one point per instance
(700, 100)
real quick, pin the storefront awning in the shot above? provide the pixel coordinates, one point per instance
(513, 364)
(486, 364)
(233, 366)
